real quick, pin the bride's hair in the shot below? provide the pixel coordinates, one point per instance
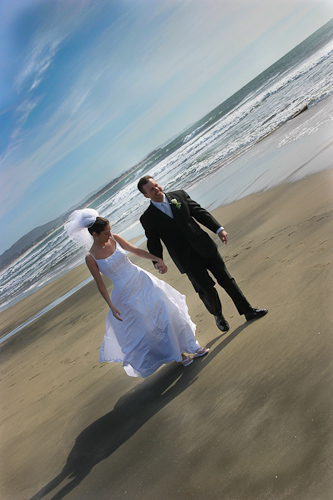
(98, 226)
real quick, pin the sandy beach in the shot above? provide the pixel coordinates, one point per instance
(252, 420)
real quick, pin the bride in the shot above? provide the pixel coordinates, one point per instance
(148, 323)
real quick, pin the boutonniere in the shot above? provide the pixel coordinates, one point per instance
(176, 203)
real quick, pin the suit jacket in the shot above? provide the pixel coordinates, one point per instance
(182, 233)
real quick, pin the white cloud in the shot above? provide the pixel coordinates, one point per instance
(40, 53)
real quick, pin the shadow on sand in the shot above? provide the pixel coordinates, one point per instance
(104, 436)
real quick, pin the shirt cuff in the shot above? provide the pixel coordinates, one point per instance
(220, 229)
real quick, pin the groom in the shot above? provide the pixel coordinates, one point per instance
(171, 217)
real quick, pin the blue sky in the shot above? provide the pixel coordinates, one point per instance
(89, 87)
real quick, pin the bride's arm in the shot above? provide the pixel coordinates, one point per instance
(140, 252)
(93, 268)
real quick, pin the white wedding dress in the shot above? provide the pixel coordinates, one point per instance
(156, 326)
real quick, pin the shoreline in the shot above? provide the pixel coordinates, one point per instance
(45, 310)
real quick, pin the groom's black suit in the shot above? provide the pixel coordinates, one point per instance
(192, 249)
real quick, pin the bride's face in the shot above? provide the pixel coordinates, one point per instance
(105, 235)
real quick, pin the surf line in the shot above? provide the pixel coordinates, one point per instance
(46, 309)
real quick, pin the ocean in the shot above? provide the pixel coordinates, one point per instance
(204, 155)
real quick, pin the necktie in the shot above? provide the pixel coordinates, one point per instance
(167, 209)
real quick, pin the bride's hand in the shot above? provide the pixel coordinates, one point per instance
(162, 268)
(115, 312)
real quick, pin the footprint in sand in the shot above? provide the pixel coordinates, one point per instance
(318, 250)
(67, 361)
(249, 243)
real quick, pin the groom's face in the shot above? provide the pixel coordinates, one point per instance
(153, 191)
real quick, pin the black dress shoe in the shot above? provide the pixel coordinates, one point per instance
(255, 314)
(221, 323)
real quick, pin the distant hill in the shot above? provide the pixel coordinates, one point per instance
(30, 239)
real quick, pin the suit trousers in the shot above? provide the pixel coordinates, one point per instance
(203, 284)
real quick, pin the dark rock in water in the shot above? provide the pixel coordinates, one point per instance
(299, 112)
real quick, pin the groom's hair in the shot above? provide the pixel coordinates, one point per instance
(142, 182)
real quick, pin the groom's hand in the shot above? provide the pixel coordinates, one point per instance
(162, 268)
(223, 235)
